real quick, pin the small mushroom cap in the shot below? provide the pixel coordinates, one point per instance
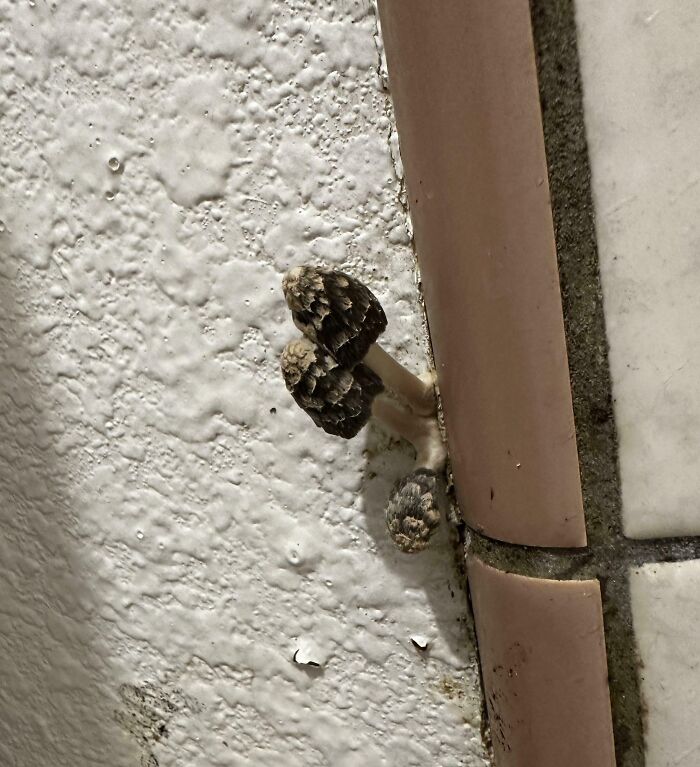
(336, 311)
(413, 513)
(338, 399)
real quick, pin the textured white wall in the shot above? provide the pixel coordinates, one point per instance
(172, 528)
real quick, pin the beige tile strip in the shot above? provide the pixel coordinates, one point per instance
(543, 661)
(464, 86)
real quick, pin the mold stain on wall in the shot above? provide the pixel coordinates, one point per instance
(146, 714)
(168, 519)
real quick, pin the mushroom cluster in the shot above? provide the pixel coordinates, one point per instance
(338, 374)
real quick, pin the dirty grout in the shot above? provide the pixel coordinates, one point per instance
(609, 554)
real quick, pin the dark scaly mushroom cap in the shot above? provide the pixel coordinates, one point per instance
(339, 400)
(335, 310)
(412, 514)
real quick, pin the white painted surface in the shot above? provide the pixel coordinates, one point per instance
(666, 615)
(640, 62)
(168, 541)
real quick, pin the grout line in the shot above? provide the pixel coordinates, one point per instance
(610, 554)
(561, 97)
(593, 561)
(574, 221)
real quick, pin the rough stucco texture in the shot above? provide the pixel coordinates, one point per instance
(172, 529)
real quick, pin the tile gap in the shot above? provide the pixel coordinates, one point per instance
(561, 98)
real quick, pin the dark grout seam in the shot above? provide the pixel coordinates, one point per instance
(562, 564)
(574, 223)
(609, 555)
(574, 220)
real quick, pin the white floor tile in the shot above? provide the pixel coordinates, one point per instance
(666, 612)
(640, 63)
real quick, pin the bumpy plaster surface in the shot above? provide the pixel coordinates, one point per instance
(173, 528)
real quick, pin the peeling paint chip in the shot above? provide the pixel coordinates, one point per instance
(303, 660)
(420, 642)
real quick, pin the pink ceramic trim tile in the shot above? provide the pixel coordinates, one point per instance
(542, 649)
(464, 85)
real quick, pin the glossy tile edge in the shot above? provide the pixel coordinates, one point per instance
(472, 147)
(544, 667)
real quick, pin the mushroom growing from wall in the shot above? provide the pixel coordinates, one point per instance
(337, 373)
(345, 318)
(413, 512)
(338, 399)
(341, 400)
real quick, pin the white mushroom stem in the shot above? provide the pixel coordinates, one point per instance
(419, 393)
(422, 432)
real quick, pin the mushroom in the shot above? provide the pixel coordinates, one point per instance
(337, 374)
(345, 318)
(341, 401)
(338, 399)
(413, 513)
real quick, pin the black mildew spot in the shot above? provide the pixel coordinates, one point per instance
(146, 713)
